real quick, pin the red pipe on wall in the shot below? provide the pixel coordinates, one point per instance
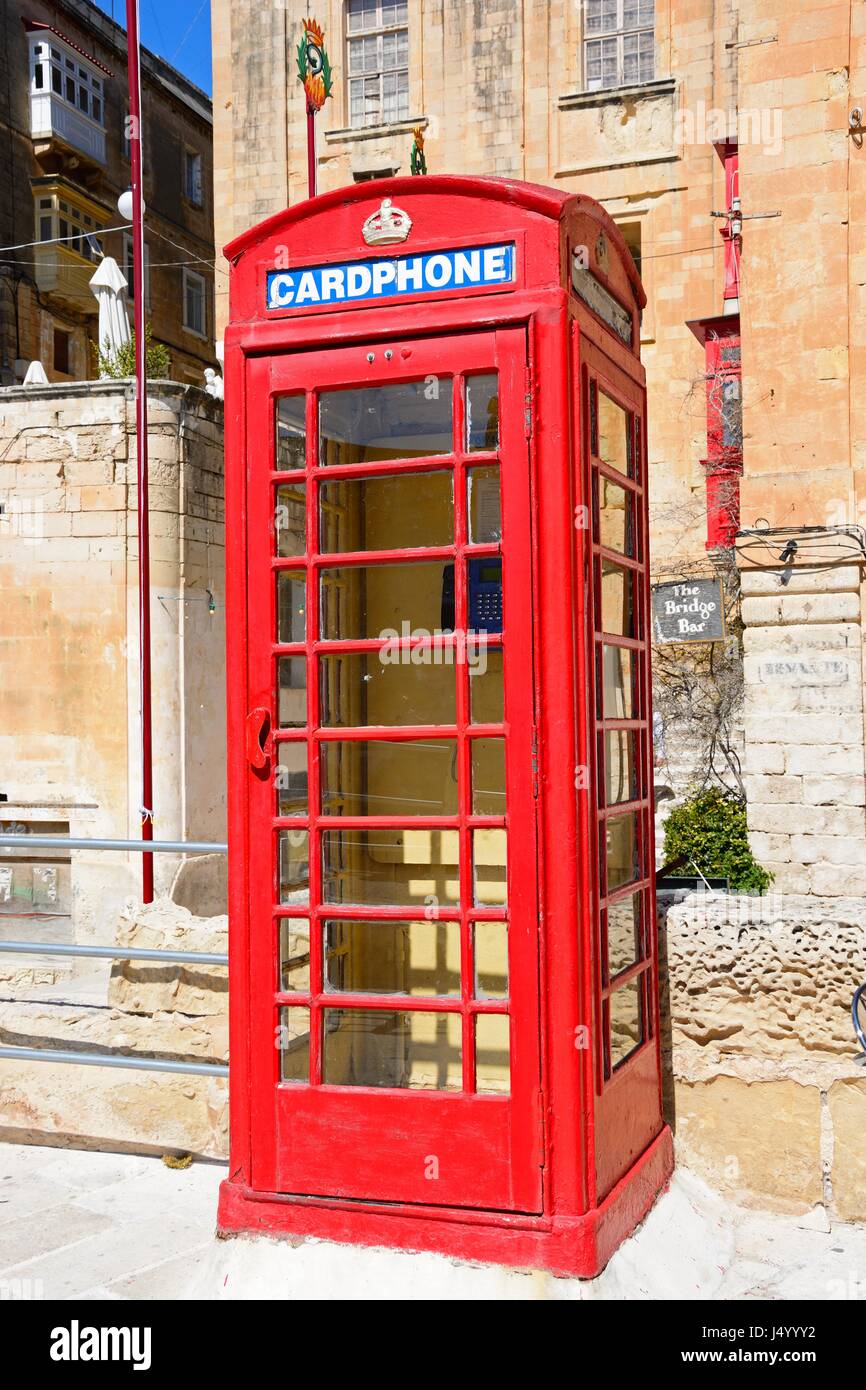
(134, 76)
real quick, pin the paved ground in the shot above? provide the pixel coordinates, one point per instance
(75, 1224)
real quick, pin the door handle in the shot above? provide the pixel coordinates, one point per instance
(258, 737)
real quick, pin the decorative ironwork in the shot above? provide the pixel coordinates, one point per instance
(314, 69)
(417, 159)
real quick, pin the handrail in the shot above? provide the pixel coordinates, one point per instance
(41, 948)
(139, 846)
(45, 948)
(108, 1059)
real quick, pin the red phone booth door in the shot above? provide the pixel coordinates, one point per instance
(391, 819)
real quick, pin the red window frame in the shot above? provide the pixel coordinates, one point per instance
(600, 375)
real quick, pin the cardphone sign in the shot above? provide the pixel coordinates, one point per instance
(354, 282)
(688, 610)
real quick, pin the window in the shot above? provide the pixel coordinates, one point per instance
(367, 175)
(619, 44)
(127, 268)
(61, 352)
(194, 302)
(57, 218)
(378, 61)
(192, 177)
(632, 236)
(60, 70)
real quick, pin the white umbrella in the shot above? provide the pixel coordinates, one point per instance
(36, 375)
(109, 290)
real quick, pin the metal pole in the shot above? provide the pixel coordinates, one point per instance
(28, 842)
(42, 948)
(134, 77)
(311, 150)
(110, 1059)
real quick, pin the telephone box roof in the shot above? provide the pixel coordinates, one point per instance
(530, 197)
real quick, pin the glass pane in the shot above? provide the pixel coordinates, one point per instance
(492, 1054)
(291, 606)
(622, 850)
(618, 592)
(290, 778)
(377, 600)
(482, 412)
(626, 1021)
(392, 957)
(289, 520)
(410, 419)
(613, 435)
(394, 512)
(291, 692)
(486, 691)
(393, 867)
(613, 520)
(384, 777)
(293, 1040)
(294, 954)
(491, 960)
(415, 686)
(485, 510)
(620, 766)
(618, 668)
(374, 1047)
(489, 864)
(291, 433)
(488, 776)
(623, 934)
(294, 862)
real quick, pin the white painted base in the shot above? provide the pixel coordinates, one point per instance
(681, 1251)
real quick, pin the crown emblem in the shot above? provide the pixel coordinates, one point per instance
(387, 225)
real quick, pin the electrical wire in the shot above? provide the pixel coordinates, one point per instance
(52, 241)
(805, 547)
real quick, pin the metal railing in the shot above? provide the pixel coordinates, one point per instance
(135, 846)
(34, 948)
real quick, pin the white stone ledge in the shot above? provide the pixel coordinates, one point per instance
(797, 640)
(835, 730)
(792, 609)
(839, 579)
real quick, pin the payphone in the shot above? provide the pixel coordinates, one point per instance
(443, 959)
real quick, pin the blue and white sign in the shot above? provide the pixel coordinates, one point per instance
(354, 282)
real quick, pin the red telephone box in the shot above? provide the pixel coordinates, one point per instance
(444, 1016)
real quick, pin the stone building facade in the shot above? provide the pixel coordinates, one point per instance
(514, 90)
(803, 547)
(726, 139)
(63, 111)
(69, 672)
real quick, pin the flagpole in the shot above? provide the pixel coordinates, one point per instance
(314, 72)
(311, 151)
(134, 78)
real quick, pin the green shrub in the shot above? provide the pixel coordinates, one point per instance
(709, 830)
(122, 363)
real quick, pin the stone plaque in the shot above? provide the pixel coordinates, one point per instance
(688, 610)
(804, 671)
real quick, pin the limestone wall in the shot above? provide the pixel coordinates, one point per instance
(166, 1012)
(804, 727)
(765, 1092)
(69, 678)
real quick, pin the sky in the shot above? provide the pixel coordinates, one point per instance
(177, 30)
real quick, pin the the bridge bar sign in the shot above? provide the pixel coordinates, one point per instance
(688, 610)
